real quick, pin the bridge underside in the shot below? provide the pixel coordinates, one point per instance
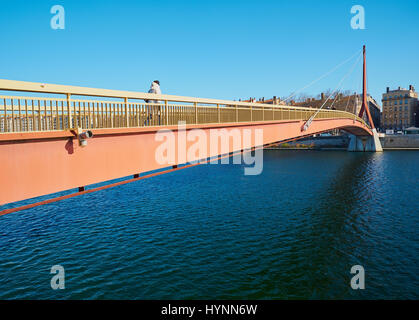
(40, 163)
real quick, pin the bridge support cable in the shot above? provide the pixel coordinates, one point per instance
(356, 100)
(347, 104)
(341, 87)
(338, 88)
(355, 105)
(323, 76)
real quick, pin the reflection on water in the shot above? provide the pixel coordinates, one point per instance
(210, 232)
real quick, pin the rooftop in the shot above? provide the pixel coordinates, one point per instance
(411, 88)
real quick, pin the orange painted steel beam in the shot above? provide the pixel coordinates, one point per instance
(36, 164)
(111, 185)
(116, 184)
(365, 106)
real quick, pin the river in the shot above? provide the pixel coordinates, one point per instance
(210, 232)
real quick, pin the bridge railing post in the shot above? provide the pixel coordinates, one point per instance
(70, 118)
(218, 113)
(167, 112)
(237, 113)
(196, 112)
(126, 112)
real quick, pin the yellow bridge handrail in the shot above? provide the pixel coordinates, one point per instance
(33, 113)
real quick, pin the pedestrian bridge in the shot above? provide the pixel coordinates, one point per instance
(44, 129)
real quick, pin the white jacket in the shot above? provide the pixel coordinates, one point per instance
(155, 88)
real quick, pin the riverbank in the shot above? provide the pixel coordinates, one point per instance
(400, 142)
(315, 143)
(333, 143)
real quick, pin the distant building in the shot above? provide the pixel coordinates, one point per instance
(350, 103)
(400, 108)
(275, 100)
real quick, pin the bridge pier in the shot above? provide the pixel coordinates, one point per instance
(365, 143)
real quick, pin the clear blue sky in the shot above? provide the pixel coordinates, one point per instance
(213, 49)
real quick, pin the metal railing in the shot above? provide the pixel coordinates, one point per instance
(28, 114)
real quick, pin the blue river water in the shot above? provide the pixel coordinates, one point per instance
(210, 232)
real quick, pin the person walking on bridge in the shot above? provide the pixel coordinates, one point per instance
(154, 88)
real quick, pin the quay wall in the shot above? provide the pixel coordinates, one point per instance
(388, 142)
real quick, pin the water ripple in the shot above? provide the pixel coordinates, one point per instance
(210, 232)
